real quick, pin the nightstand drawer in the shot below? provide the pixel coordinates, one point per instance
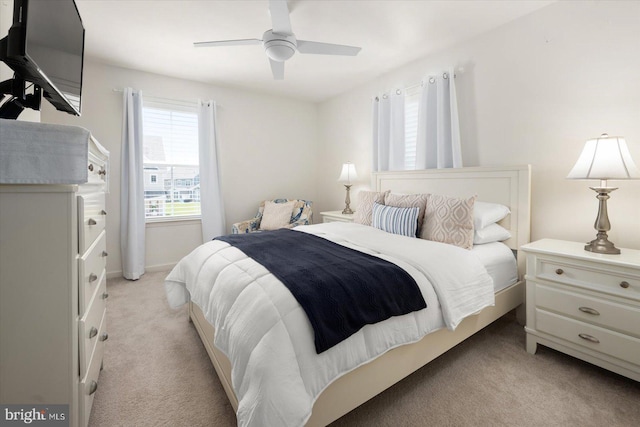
(589, 277)
(602, 340)
(608, 314)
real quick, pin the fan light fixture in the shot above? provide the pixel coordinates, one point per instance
(604, 158)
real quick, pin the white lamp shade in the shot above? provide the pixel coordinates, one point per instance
(606, 157)
(348, 173)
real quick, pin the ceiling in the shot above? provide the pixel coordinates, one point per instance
(157, 36)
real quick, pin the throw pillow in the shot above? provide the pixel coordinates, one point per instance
(276, 215)
(449, 220)
(403, 221)
(364, 207)
(409, 201)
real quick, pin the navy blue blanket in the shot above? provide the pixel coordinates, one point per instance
(339, 288)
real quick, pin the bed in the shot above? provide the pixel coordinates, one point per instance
(347, 388)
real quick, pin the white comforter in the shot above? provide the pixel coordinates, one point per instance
(276, 373)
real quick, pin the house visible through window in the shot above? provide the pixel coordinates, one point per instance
(172, 174)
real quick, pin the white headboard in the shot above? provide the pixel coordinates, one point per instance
(508, 185)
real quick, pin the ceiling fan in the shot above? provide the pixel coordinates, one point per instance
(280, 43)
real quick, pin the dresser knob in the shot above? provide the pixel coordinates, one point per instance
(103, 212)
(102, 172)
(105, 295)
(92, 221)
(105, 253)
(624, 284)
(93, 332)
(92, 277)
(104, 337)
(589, 338)
(559, 271)
(91, 167)
(589, 310)
(93, 386)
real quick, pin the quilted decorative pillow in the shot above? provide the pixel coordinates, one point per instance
(449, 220)
(409, 201)
(403, 221)
(276, 215)
(364, 207)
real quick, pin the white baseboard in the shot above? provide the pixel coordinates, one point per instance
(147, 269)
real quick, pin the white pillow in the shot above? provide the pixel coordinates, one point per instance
(396, 220)
(276, 215)
(489, 234)
(485, 214)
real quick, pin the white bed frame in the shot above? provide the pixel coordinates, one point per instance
(506, 185)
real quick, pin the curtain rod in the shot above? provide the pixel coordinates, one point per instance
(183, 102)
(431, 80)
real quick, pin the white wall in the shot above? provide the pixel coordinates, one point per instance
(532, 91)
(267, 150)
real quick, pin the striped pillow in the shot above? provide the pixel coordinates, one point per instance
(403, 221)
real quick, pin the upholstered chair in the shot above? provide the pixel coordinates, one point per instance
(302, 214)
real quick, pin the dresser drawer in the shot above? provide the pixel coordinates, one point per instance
(589, 277)
(89, 385)
(608, 314)
(608, 342)
(91, 269)
(91, 219)
(92, 328)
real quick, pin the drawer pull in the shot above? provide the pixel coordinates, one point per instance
(104, 295)
(589, 310)
(92, 278)
(559, 271)
(589, 338)
(93, 332)
(105, 254)
(103, 212)
(104, 337)
(93, 386)
(102, 172)
(92, 221)
(624, 284)
(91, 167)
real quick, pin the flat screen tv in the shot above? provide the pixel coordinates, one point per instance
(45, 46)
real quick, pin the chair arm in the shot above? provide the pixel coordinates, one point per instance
(247, 226)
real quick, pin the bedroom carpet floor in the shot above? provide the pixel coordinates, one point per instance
(157, 373)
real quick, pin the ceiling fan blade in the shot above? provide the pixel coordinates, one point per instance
(280, 17)
(277, 68)
(239, 42)
(305, 46)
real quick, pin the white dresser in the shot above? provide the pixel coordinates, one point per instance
(53, 290)
(584, 304)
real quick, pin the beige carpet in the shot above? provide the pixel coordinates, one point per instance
(157, 373)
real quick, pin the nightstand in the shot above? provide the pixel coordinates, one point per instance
(584, 304)
(332, 216)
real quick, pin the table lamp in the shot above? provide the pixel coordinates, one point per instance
(347, 175)
(604, 158)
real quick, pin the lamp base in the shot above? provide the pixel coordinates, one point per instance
(602, 245)
(347, 211)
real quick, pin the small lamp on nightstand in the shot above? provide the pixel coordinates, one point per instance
(604, 158)
(347, 175)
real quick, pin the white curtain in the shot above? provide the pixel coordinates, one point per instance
(132, 221)
(388, 132)
(438, 142)
(211, 206)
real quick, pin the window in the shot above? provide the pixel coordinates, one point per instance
(411, 104)
(172, 174)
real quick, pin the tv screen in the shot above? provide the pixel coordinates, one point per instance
(45, 46)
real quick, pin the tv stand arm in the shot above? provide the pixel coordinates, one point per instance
(18, 99)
